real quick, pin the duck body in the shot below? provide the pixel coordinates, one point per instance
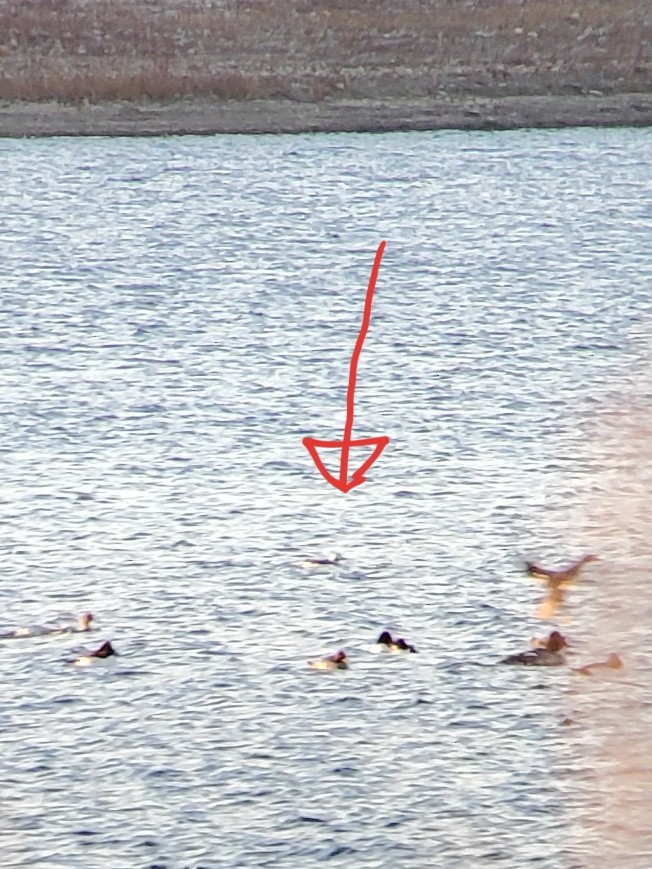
(337, 661)
(82, 626)
(322, 562)
(548, 655)
(536, 658)
(398, 644)
(19, 633)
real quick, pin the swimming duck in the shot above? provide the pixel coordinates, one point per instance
(323, 562)
(613, 662)
(332, 662)
(557, 581)
(550, 655)
(559, 577)
(106, 650)
(82, 626)
(394, 645)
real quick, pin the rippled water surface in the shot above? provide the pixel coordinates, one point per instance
(176, 315)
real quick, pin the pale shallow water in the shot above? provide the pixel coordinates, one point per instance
(177, 314)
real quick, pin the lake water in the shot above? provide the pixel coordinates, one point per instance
(176, 315)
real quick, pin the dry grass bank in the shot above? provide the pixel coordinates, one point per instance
(97, 51)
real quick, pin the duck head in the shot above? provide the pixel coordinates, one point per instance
(106, 650)
(556, 642)
(614, 662)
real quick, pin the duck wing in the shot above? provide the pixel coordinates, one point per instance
(525, 658)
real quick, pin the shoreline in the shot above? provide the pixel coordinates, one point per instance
(204, 116)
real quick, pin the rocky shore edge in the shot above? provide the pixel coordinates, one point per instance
(208, 117)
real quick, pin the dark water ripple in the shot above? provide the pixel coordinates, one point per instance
(177, 314)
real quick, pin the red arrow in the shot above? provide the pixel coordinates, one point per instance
(379, 443)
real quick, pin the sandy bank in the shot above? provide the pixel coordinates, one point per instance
(209, 116)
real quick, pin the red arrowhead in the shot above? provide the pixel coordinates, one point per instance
(342, 482)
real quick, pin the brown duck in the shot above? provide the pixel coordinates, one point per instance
(337, 661)
(557, 582)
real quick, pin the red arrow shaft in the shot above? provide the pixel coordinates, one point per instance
(353, 368)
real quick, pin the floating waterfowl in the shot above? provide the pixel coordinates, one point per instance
(397, 644)
(557, 582)
(82, 626)
(550, 655)
(337, 661)
(613, 662)
(321, 562)
(106, 650)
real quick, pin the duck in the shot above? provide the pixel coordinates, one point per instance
(83, 625)
(394, 645)
(550, 655)
(559, 577)
(336, 661)
(322, 562)
(557, 582)
(106, 650)
(612, 662)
